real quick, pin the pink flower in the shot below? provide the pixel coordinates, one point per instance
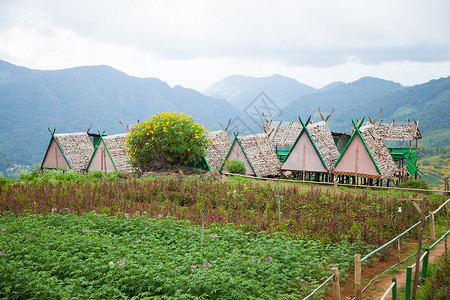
(2, 253)
(205, 265)
(214, 235)
(121, 263)
(68, 209)
(268, 258)
(193, 268)
(85, 230)
(28, 237)
(54, 209)
(3, 229)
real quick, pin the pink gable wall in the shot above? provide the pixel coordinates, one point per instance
(348, 161)
(96, 163)
(236, 152)
(312, 159)
(50, 158)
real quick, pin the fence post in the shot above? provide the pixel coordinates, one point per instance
(446, 214)
(336, 285)
(432, 227)
(419, 247)
(425, 265)
(358, 295)
(408, 283)
(335, 187)
(394, 289)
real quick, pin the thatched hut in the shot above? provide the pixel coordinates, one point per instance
(68, 151)
(282, 133)
(398, 131)
(111, 155)
(314, 150)
(366, 155)
(217, 150)
(257, 153)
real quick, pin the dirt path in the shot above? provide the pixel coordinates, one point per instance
(381, 284)
(380, 287)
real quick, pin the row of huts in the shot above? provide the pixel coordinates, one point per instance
(308, 150)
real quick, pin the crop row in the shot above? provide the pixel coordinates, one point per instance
(55, 256)
(310, 214)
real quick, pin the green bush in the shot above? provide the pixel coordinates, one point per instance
(437, 286)
(415, 184)
(173, 138)
(235, 166)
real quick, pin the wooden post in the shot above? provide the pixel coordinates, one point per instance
(358, 293)
(101, 159)
(56, 157)
(335, 187)
(419, 247)
(104, 157)
(304, 161)
(446, 214)
(432, 227)
(445, 247)
(398, 251)
(356, 166)
(336, 285)
(224, 178)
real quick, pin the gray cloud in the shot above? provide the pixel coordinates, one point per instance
(319, 34)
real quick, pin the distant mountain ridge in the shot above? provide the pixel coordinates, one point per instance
(33, 100)
(242, 90)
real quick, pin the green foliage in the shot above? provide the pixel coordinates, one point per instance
(65, 176)
(94, 256)
(173, 138)
(437, 286)
(415, 184)
(235, 166)
(4, 180)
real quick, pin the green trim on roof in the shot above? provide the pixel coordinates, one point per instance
(364, 143)
(107, 150)
(56, 141)
(304, 129)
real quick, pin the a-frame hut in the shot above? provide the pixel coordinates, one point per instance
(366, 155)
(68, 151)
(217, 150)
(257, 153)
(110, 155)
(314, 150)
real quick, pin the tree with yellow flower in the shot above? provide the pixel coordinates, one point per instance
(173, 138)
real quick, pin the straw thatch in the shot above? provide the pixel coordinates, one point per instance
(282, 133)
(379, 151)
(218, 149)
(321, 135)
(116, 148)
(259, 152)
(399, 131)
(77, 149)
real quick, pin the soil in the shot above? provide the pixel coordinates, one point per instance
(378, 287)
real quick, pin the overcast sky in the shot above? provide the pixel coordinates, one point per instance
(196, 43)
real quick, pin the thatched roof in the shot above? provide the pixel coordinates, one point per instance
(77, 149)
(400, 131)
(283, 133)
(116, 148)
(260, 154)
(366, 155)
(379, 151)
(321, 135)
(218, 149)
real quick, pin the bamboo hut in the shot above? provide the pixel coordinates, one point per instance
(217, 150)
(366, 156)
(314, 150)
(282, 133)
(111, 155)
(257, 154)
(68, 151)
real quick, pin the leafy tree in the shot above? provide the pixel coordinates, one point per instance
(173, 138)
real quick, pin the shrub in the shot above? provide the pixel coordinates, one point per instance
(235, 166)
(438, 282)
(173, 138)
(415, 184)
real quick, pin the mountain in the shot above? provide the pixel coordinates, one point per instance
(348, 100)
(33, 100)
(242, 90)
(429, 103)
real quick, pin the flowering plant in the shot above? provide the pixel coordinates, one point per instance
(174, 138)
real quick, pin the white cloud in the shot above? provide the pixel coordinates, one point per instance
(194, 43)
